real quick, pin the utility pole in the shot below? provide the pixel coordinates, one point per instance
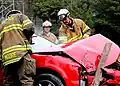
(98, 74)
(23, 6)
(13, 5)
(2, 8)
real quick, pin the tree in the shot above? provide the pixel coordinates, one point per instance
(108, 12)
(82, 9)
(46, 8)
(107, 18)
(78, 8)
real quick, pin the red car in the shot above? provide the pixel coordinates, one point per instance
(74, 64)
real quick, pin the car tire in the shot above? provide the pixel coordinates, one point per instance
(48, 80)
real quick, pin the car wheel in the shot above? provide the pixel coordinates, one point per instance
(48, 80)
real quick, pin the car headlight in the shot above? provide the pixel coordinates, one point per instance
(118, 58)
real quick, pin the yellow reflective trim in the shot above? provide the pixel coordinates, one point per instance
(16, 49)
(8, 30)
(9, 56)
(14, 28)
(80, 36)
(85, 29)
(11, 61)
(11, 18)
(27, 23)
(75, 38)
(16, 46)
(62, 38)
(13, 25)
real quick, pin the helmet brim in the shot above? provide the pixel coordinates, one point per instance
(12, 12)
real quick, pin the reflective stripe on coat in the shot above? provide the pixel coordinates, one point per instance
(13, 43)
(75, 32)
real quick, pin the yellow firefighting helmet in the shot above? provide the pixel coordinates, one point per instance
(63, 13)
(12, 12)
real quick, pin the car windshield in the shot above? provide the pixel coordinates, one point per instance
(40, 44)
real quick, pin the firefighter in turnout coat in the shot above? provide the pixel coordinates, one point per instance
(71, 29)
(15, 33)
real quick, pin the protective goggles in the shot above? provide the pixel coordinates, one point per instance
(62, 17)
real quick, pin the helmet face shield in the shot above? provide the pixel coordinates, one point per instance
(62, 17)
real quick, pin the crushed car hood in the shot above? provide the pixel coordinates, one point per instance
(88, 51)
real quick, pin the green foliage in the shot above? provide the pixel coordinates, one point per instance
(107, 18)
(82, 9)
(108, 12)
(77, 8)
(47, 8)
(104, 13)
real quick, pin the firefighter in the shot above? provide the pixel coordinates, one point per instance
(46, 32)
(15, 33)
(71, 29)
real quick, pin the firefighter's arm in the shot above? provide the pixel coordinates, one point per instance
(87, 34)
(27, 23)
(56, 40)
(62, 35)
(75, 38)
(86, 30)
(28, 27)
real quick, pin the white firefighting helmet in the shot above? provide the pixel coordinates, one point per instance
(47, 24)
(12, 12)
(63, 13)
